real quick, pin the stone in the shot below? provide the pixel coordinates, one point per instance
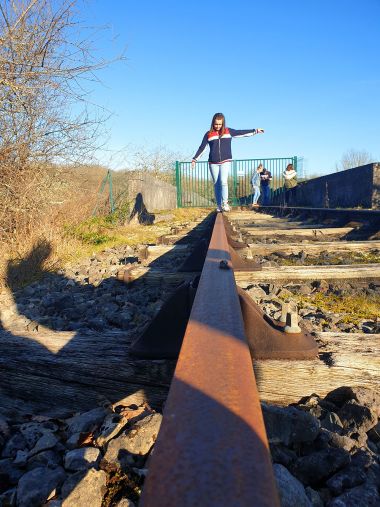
(365, 495)
(332, 422)
(357, 418)
(84, 488)
(282, 455)
(21, 458)
(256, 293)
(311, 470)
(49, 458)
(362, 395)
(374, 433)
(16, 443)
(8, 499)
(125, 502)
(86, 421)
(36, 486)
(47, 441)
(112, 425)
(289, 425)
(9, 474)
(342, 441)
(137, 441)
(348, 477)
(81, 459)
(4, 428)
(32, 432)
(290, 490)
(74, 441)
(314, 497)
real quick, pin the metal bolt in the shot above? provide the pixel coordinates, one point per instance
(284, 311)
(292, 323)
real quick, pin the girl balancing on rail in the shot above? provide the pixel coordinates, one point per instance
(219, 140)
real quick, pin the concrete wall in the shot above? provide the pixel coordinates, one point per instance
(359, 186)
(153, 193)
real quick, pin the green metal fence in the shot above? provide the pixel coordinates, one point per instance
(195, 187)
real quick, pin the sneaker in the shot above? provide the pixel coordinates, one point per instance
(256, 205)
(225, 207)
(218, 209)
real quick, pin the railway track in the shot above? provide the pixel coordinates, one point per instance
(224, 306)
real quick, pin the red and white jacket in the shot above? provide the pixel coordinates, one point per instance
(220, 146)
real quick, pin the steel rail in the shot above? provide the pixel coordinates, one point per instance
(212, 448)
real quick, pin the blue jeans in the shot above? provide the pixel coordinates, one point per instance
(265, 190)
(219, 174)
(256, 194)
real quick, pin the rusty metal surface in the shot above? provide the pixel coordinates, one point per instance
(267, 339)
(212, 448)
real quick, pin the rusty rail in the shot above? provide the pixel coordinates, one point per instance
(212, 448)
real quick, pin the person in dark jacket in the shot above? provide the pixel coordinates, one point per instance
(265, 179)
(219, 140)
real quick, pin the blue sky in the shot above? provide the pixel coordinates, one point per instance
(308, 72)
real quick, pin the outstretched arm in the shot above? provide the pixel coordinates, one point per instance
(245, 133)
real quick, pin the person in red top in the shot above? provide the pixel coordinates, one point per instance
(219, 140)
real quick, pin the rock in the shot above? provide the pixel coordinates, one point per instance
(86, 421)
(125, 502)
(16, 443)
(311, 470)
(4, 429)
(47, 441)
(291, 491)
(8, 499)
(112, 425)
(137, 441)
(332, 422)
(342, 441)
(282, 455)
(314, 497)
(47, 458)
(84, 489)
(36, 486)
(81, 459)
(321, 285)
(289, 425)
(347, 478)
(357, 418)
(257, 293)
(365, 495)
(284, 294)
(21, 458)
(374, 433)
(362, 395)
(373, 474)
(74, 441)
(9, 474)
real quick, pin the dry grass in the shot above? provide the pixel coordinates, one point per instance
(353, 308)
(57, 243)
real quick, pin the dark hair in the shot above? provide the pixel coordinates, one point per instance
(290, 167)
(218, 116)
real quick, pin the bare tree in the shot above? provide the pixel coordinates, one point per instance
(353, 158)
(46, 63)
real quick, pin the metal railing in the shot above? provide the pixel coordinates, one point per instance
(195, 186)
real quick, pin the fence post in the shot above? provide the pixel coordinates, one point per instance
(235, 183)
(178, 185)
